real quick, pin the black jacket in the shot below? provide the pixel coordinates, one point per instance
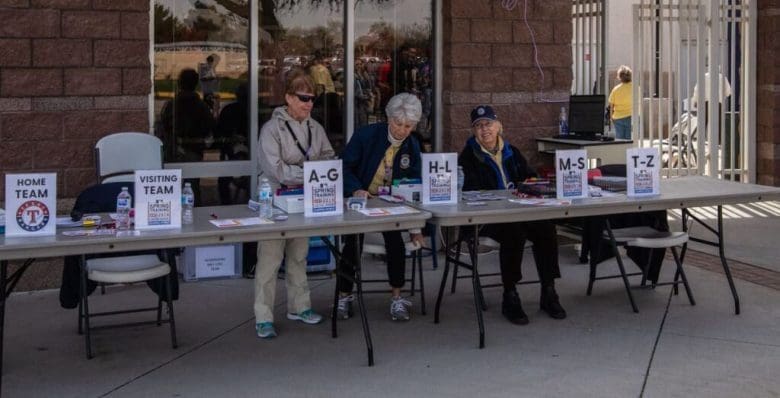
(482, 173)
(101, 198)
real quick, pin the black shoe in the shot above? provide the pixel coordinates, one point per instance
(549, 303)
(512, 309)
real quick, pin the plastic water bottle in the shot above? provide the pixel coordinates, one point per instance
(265, 199)
(123, 204)
(563, 124)
(461, 178)
(187, 204)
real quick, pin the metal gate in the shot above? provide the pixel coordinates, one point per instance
(588, 46)
(678, 46)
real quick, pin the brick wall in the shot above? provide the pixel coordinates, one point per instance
(768, 93)
(71, 71)
(489, 59)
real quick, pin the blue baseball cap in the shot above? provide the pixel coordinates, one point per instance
(483, 112)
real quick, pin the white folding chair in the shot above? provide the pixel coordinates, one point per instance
(126, 269)
(649, 238)
(118, 155)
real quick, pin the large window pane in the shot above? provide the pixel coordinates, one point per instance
(200, 78)
(393, 48)
(307, 35)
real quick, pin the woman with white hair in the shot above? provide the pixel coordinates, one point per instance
(375, 156)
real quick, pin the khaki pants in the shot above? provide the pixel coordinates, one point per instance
(269, 258)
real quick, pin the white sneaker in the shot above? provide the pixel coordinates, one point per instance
(344, 309)
(399, 309)
(307, 316)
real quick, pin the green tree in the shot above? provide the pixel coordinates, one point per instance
(167, 28)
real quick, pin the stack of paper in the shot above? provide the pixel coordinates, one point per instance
(239, 222)
(542, 201)
(388, 211)
(471, 196)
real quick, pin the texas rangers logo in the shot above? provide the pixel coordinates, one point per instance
(32, 216)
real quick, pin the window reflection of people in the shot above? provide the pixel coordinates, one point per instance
(363, 94)
(321, 75)
(383, 82)
(187, 123)
(209, 82)
(288, 139)
(328, 105)
(375, 155)
(491, 163)
(620, 103)
(425, 85)
(231, 138)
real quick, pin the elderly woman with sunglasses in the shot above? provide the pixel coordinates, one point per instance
(289, 138)
(375, 156)
(491, 163)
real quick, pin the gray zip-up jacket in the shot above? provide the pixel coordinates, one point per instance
(280, 159)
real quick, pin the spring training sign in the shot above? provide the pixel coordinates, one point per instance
(643, 172)
(439, 178)
(323, 191)
(31, 204)
(157, 199)
(571, 174)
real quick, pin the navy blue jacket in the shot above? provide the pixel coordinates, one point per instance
(365, 152)
(482, 173)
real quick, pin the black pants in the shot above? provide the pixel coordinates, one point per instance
(512, 237)
(395, 256)
(600, 249)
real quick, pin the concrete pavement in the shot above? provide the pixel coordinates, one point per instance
(602, 349)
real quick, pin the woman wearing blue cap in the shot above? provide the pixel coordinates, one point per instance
(490, 163)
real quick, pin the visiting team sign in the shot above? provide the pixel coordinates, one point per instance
(439, 175)
(643, 172)
(571, 174)
(157, 199)
(31, 204)
(323, 191)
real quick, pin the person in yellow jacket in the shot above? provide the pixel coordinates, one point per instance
(321, 76)
(620, 103)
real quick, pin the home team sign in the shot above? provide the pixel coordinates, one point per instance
(31, 204)
(157, 199)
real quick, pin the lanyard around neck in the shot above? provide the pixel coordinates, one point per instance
(295, 138)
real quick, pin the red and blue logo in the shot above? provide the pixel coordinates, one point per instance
(32, 216)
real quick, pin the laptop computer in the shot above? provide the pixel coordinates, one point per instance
(586, 117)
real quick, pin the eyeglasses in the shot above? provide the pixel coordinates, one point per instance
(305, 98)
